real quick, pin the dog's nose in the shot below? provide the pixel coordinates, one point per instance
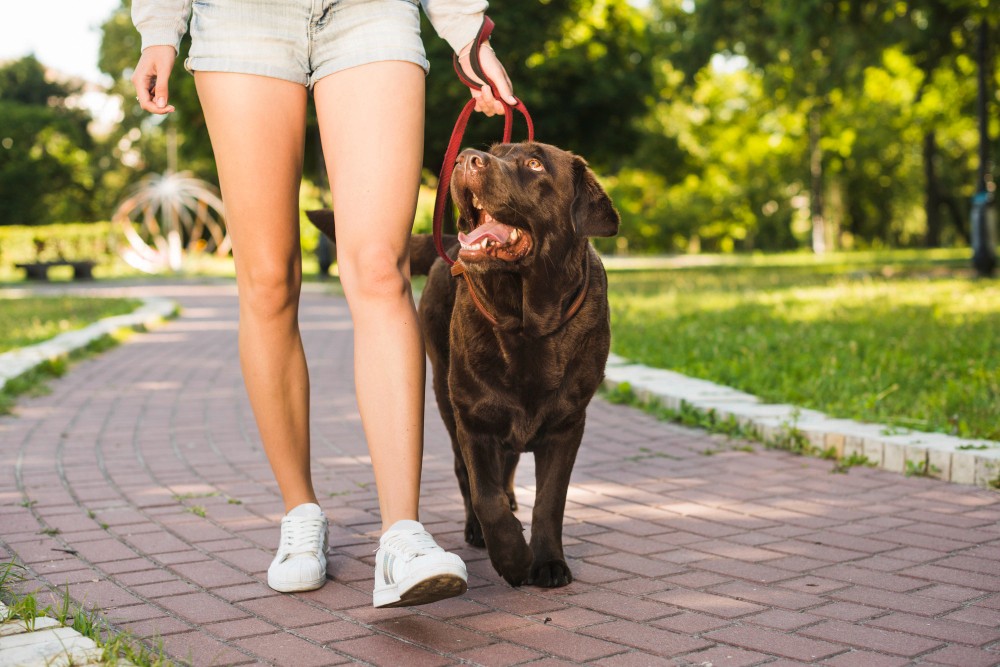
(473, 160)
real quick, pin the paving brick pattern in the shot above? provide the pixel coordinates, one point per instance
(139, 484)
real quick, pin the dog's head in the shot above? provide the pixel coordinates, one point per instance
(522, 200)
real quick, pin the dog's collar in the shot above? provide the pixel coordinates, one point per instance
(459, 268)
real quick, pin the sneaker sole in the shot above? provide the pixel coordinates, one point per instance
(295, 586)
(432, 589)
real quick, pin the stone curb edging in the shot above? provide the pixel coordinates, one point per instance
(939, 455)
(20, 361)
(47, 642)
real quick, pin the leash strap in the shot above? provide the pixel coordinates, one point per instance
(454, 144)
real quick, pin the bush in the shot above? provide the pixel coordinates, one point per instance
(95, 241)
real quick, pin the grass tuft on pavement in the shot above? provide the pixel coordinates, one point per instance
(117, 648)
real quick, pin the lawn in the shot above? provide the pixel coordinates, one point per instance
(908, 339)
(30, 320)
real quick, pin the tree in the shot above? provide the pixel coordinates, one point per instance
(583, 69)
(139, 139)
(808, 50)
(45, 172)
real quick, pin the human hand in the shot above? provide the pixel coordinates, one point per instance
(151, 77)
(486, 98)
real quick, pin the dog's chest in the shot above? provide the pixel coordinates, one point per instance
(518, 390)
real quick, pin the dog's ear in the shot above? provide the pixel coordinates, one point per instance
(592, 211)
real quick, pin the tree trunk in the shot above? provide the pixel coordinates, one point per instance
(932, 192)
(819, 244)
(959, 218)
(984, 257)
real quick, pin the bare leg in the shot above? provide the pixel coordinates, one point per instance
(371, 120)
(257, 126)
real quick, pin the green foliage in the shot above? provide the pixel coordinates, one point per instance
(87, 240)
(139, 141)
(853, 459)
(45, 172)
(910, 344)
(745, 95)
(583, 68)
(686, 415)
(920, 468)
(620, 394)
(716, 125)
(115, 646)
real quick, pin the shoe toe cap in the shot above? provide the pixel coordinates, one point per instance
(298, 568)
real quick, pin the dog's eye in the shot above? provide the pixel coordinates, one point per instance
(535, 165)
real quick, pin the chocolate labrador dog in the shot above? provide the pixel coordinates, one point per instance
(518, 343)
(518, 346)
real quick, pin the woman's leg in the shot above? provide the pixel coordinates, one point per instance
(257, 127)
(371, 120)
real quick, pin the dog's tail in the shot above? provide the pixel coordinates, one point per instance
(423, 254)
(422, 250)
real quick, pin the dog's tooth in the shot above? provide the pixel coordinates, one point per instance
(516, 234)
(476, 203)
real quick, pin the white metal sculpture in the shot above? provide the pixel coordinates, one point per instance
(167, 217)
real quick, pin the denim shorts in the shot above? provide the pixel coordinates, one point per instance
(302, 40)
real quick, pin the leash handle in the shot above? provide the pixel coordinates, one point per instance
(483, 36)
(454, 143)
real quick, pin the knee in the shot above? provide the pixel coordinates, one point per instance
(270, 291)
(374, 272)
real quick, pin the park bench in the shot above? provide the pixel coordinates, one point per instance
(82, 269)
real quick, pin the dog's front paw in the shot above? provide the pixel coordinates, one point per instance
(515, 569)
(474, 532)
(550, 574)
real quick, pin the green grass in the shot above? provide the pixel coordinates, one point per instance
(909, 339)
(29, 320)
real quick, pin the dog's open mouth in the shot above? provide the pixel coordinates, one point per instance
(491, 238)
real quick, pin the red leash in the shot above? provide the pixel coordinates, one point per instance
(450, 155)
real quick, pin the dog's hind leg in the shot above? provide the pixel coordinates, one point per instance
(510, 467)
(473, 529)
(554, 458)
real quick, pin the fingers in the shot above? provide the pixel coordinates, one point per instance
(487, 100)
(160, 92)
(486, 103)
(150, 79)
(496, 72)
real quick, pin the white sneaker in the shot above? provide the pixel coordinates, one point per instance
(300, 564)
(411, 569)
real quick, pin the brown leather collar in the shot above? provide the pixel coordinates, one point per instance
(458, 268)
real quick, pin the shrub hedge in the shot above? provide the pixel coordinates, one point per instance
(74, 241)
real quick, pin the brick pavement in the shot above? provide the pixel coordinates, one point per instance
(140, 484)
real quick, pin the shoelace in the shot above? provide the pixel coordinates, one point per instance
(301, 536)
(410, 543)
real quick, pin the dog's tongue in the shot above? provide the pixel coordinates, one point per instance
(490, 227)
